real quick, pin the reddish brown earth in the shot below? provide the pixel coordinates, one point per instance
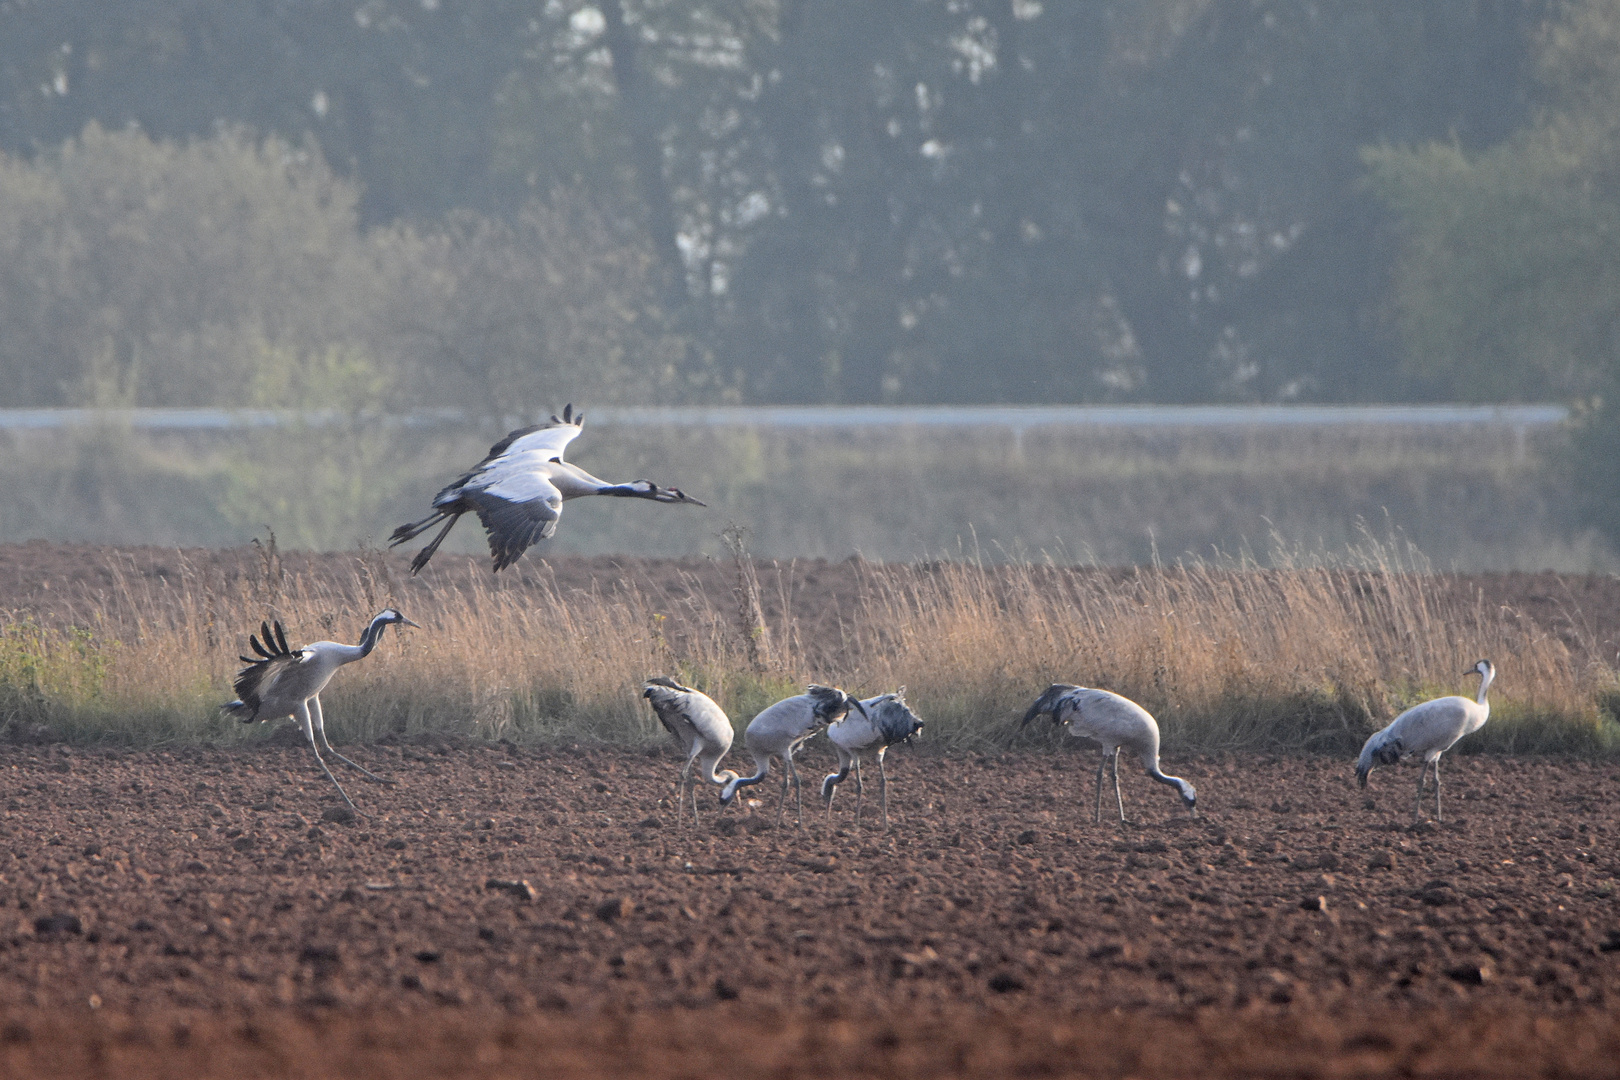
(191, 912)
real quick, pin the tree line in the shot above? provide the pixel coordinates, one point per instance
(496, 204)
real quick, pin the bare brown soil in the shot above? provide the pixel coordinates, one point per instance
(193, 912)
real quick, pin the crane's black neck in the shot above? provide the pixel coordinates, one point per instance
(372, 634)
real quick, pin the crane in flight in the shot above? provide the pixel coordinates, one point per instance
(518, 490)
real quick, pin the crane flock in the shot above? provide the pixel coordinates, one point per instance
(517, 492)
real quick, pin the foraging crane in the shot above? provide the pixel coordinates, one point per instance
(1430, 729)
(518, 491)
(284, 682)
(701, 727)
(886, 721)
(780, 730)
(1116, 722)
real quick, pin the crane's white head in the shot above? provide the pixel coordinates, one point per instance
(1484, 668)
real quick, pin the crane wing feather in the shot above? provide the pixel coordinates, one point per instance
(514, 527)
(550, 439)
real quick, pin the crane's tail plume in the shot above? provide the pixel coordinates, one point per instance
(1046, 703)
(1378, 751)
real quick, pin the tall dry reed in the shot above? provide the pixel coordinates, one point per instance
(1311, 656)
(1224, 654)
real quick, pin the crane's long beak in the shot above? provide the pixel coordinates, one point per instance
(408, 622)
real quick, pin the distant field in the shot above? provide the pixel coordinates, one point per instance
(1470, 497)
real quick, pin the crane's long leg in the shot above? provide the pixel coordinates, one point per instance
(781, 804)
(305, 721)
(798, 789)
(1102, 766)
(426, 553)
(680, 795)
(1437, 815)
(883, 787)
(320, 729)
(1423, 774)
(860, 789)
(1117, 796)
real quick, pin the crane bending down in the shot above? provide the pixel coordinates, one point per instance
(1117, 723)
(1430, 729)
(285, 682)
(887, 720)
(780, 730)
(518, 490)
(701, 727)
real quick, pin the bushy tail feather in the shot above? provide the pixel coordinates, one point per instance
(1380, 750)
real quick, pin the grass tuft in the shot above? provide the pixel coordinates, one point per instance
(1306, 654)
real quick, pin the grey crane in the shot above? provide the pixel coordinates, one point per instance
(518, 490)
(284, 682)
(701, 727)
(1428, 729)
(780, 729)
(1117, 723)
(887, 720)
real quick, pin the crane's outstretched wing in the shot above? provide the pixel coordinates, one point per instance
(548, 439)
(518, 507)
(255, 682)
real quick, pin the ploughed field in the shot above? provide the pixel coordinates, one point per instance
(516, 911)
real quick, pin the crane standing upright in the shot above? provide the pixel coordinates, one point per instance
(1429, 729)
(781, 729)
(518, 490)
(888, 720)
(701, 727)
(1116, 722)
(284, 682)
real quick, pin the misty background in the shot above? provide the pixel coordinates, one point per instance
(386, 206)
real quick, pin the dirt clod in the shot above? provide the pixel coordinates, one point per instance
(520, 889)
(615, 908)
(60, 923)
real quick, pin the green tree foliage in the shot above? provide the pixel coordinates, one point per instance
(158, 273)
(1509, 282)
(945, 200)
(233, 271)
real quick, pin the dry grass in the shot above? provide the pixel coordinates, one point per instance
(1309, 656)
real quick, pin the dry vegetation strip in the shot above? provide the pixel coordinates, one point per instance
(1308, 656)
